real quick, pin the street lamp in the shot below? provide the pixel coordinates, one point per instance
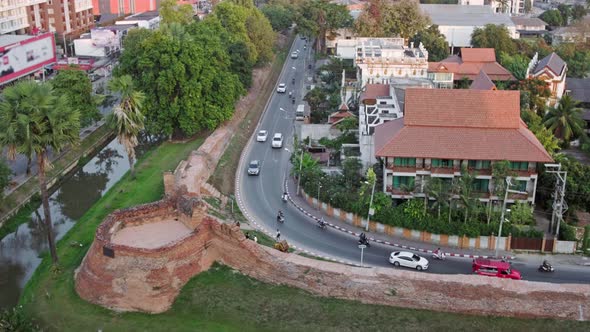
(371, 212)
(508, 190)
(319, 187)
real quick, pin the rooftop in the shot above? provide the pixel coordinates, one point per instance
(579, 88)
(372, 91)
(478, 55)
(464, 15)
(6, 40)
(143, 16)
(470, 63)
(552, 62)
(528, 21)
(460, 124)
(482, 82)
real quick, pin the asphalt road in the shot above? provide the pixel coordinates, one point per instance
(261, 195)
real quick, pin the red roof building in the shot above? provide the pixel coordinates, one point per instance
(467, 65)
(444, 131)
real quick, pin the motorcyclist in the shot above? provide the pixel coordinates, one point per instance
(280, 215)
(439, 254)
(285, 196)
(290, 94)
(293, 80)
(546, 265)
(322, 223)
(363, 238)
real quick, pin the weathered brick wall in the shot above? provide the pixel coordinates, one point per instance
(150, 280)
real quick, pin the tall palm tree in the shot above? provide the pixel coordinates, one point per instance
(127, 117)
(438, 190)
(15, 116)
(50, 124)
(565, 120)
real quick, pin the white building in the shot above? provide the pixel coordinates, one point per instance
(382, 60)
(513, 6)
(149, 20)
(551, 69)
(457, 23)
(14, 14)
(103, 41)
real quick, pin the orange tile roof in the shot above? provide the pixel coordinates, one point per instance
(477, 60)
(478, 55)
(460, 124)
(339, 115)
(372, 91)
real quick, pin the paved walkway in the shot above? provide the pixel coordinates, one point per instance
(400, 242)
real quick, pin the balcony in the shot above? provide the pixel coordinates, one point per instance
(524, 173)
(402, 169)
(522, 197)
(399, 192)
(480, 171)
(444, 170)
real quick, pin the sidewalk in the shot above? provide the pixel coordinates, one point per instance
(390, 240)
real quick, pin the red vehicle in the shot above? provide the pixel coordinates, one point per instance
(492, 268)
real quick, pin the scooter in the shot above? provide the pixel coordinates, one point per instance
(546, 267)
(439, 255)
(365, 242)
(322, 224)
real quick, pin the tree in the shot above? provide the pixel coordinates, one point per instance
(565, 120)
(552, 17)
(5, 173)
(516, 64)
(544, 135)
(279, 16)
(577, 58)
(493, 36)
(521, 214)
(465, 183)
(77, 87)
(578, 11)
(185, 74)
(318, 17)
(434, 42)
(566, 13)
(527, 6)
(503, 5)
(437, 189)
(127, 117)
(171, 12)
(50, 124)
(383, 18)
(537, 92)
(261, 34)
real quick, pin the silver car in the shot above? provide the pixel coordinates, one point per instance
(254, 167)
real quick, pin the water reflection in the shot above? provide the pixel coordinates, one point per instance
(20, 251)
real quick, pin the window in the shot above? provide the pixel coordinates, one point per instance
(404, 162)
(519, 165)
(479, 164)
(405, 181)
(481, 185)
(445, 163)
(520, 185)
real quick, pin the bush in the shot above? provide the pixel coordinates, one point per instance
(15, 320)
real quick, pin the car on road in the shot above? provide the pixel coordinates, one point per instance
(282, 88)
(294, 55)
(277, 141)
(492, 268)
(254, 167)
(408, 259)
(262, 136)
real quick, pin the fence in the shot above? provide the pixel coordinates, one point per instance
(480, 242)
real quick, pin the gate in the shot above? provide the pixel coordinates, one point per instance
(526, 243)
(549, 245)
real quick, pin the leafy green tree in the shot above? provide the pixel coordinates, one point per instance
(552, 17)
(521, 214)
(261, 34)
(494, 36)
(5, 174)
(578, 11)
(434, 42)
(279, 16)
(465, 183)
(77, 87)
(527, 6)
(577, 57)
(185, 74)
(239, 55)
(318, 17)
(544, 135)
(50, 124)
(351, 170)
(565, 120)
(383, 18)
(516, 64)
(127, 117)
(172, 12)
(537, 92)
(566, 13)
(440, 191)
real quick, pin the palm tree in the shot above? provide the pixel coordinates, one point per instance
(437, 189)
(565, 120)
(15, 116)
(127, 117)
(50, 124)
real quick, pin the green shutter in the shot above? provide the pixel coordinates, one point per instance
(435, 162)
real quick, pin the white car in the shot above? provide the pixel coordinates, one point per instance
(261, 136)
(294, 55)
(282, 88)
(277, 141)
(408, 259)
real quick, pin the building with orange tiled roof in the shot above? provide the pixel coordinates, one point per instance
(446, 130)
(482, 82)
(467, 64)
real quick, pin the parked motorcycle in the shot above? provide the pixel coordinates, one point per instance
(546, 267)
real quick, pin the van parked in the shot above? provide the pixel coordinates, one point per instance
(300, 113)
(493, 268)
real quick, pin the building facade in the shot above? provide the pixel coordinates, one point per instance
(14, 15)
(444, 132)
(551, 69)
(515, 7)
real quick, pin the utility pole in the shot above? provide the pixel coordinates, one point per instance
(559, 204)
(508, 190)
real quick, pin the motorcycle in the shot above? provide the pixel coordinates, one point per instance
(293, 81)
(293, 101)
(281, 217)
(285, 198)
(439, 255)
(365, 242)
(322, 224)
(546, 267)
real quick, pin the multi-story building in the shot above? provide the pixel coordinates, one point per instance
(516, 7)
(382, 60)
(444, 131)
(14, 15)
(551, 69)
(467, 65)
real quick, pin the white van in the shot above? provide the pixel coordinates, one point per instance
(300, 113)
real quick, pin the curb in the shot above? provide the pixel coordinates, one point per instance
(344, 230)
